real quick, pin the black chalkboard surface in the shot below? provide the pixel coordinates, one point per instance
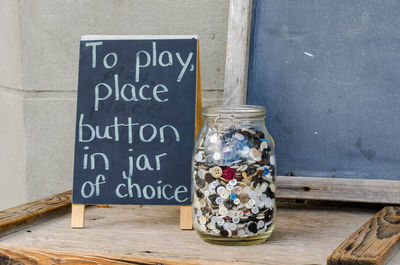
(328, 73)
(135, 120)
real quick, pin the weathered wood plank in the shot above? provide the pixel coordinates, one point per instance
(237, 52)
(15, 218)
(372, 243)
(338, 189)
(186, 211)
(303, 235)
(27, 256)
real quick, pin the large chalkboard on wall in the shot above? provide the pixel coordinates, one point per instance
(328, 73)
(135, 120)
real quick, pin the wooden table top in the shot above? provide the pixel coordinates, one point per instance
(151, 234)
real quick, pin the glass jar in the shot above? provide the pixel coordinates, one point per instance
(234, 177)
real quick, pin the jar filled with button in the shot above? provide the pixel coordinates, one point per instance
(234, 177)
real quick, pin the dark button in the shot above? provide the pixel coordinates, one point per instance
(253, 227)
(250, 170)
(199, 194)
(264, 154)
(200, 182)
(212, 198)
(260, 134)
(270, 194)
(209, 178)
(255, 141)
(269, 215)
(229, 204)
(225, 233)
(206, 209)
(239, 177)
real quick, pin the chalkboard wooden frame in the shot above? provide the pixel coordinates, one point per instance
(294, 187)
(186, 223)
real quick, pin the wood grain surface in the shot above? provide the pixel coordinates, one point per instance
(339, 189)
(303, 235)
(14, 218)
(237, 52)
(31, 256)
(372, 243)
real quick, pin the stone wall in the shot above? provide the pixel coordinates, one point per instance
(39, 45)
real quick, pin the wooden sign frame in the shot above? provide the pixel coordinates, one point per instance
(78, 210)
(294, 187)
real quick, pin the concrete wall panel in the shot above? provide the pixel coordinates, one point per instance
(10, 46)
(51, 29)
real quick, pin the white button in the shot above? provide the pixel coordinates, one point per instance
(242, 233)
(225, 194)
(202, 220)
(231, 213)
(220, 189)
(229, 187)
(217, 156)
(226, 226)
(211, 225)
(263, 145)
(220, 221)
(247, 189)
(243, 167)
(272, 160)
(255, 210)
(236, 201)
(268, 203)
(251, 202)
(214, 184)
(264, 187)
(272, 187)
(236, 219)
(255, 154)
(245, 150)
(233, 182)
(252, 195)
(239, 136)
(199, 156)
(232, 226)
(237, 190)
(260, 204)
(214, 138)
(223, 211)
(219, 200)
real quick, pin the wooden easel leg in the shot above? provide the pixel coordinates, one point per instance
(186, 218)
(186, 211)
(78, 216)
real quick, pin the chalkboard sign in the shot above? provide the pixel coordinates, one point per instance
(328, 73)
(135, 120)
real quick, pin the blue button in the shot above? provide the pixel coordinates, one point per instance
(233, 196)
(266, 171)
